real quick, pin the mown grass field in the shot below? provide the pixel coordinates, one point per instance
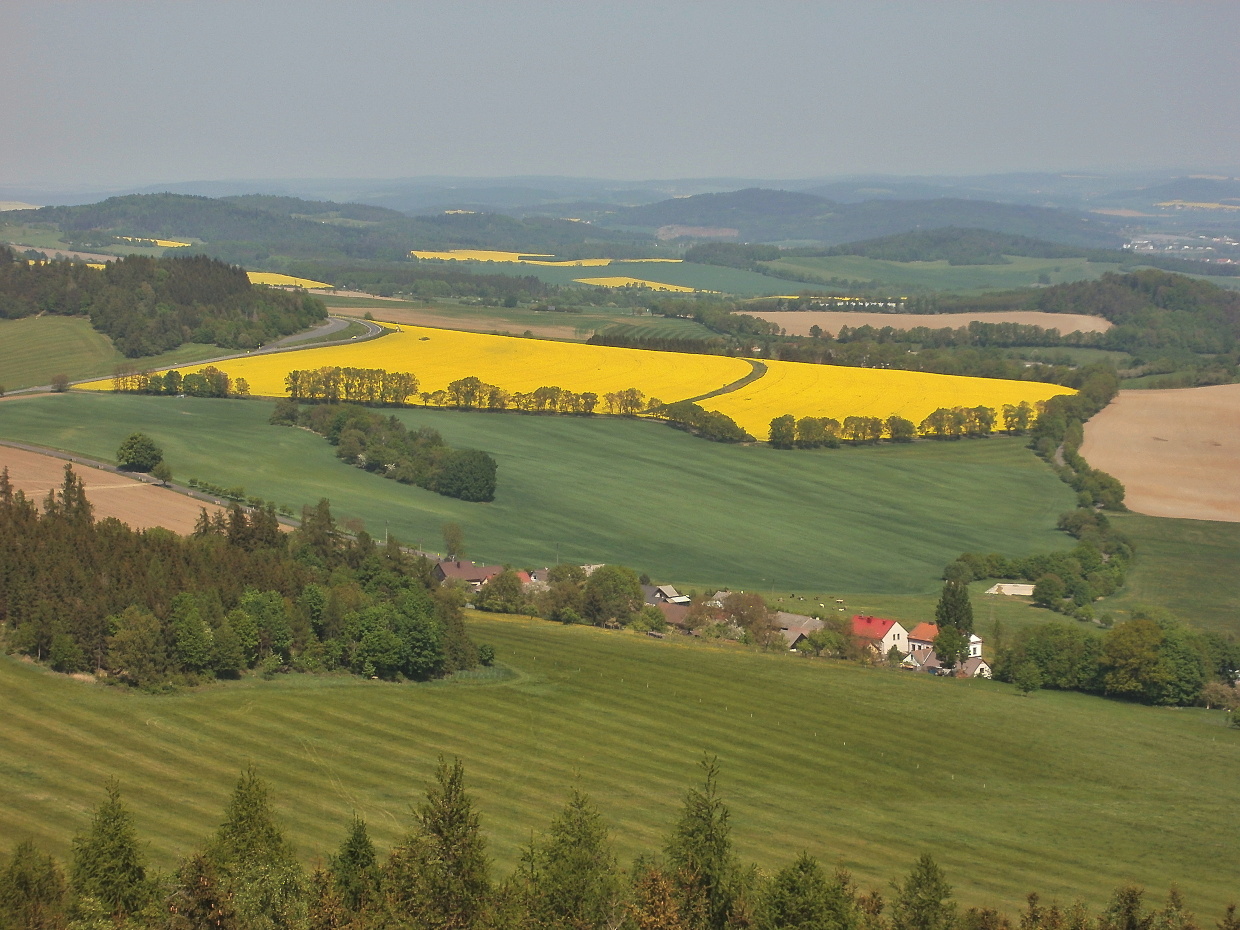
(941, 276)
(35, 350)
(691, 512)
(1064, 794)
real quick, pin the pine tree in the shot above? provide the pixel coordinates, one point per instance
(923, 902)
(353, 869)
(32, 889)
(954, 608)
(255, 863)
(801, 896)
(107, 860)
(700, 855)
(570, 877)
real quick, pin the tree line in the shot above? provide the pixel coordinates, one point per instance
(385, 446)
(152, 610)
(439, 876)
(206, 382)
(789, 432)
(332, 385)
(151, 305)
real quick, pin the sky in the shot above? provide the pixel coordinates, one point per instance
(117, 92)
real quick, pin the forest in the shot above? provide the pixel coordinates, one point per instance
(155, 610)
(439, 876)
(150, 305)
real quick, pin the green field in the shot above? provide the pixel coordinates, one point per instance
(1187, 566)
(884, 519)
(941, 276)
(1060, 793)
(686, 274)
(36, 349)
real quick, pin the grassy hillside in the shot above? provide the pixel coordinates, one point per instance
(36, 349)
(1060, 793)
(941, 275)
(884, 519)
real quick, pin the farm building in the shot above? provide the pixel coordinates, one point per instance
(880, 635)
(662, 594)
(473, 575)
(1012, 590)
(924, 660)
(795, 627)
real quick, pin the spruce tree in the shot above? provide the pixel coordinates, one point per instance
(924, 901)
(570, 876)
(353, 869)
(32, 889)
(107, 860)
(700, 855)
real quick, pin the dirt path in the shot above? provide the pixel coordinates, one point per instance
(1177, 452)
(139, 503)
(798, 324)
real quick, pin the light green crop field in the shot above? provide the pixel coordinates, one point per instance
(941, 276)
(686, 274)
(38, 235)
(35, 350)
(884, 519)
(1060, 793)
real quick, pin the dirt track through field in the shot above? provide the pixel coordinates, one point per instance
(798, 324)
(1177, 452)
(466, 323)
(137, 503)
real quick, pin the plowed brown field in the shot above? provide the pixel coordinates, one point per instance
(798, 323)
(1177, 452)
(137, 503)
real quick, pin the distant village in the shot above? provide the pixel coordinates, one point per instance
(876, 635)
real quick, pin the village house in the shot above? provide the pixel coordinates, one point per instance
(795, 627)
(924, 660)
(475, 576)
(880, 635)
(663, 594)
(922, 637)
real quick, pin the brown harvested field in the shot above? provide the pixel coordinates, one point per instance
(471, 324)
(137, 503)
(1177, 452)
(798, 324)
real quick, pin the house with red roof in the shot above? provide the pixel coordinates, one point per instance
(879, 634)
(475, 576)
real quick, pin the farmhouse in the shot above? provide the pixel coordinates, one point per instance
(662, 594)
(880, 635)
(473, 575)
(795, 627)
(924, 660)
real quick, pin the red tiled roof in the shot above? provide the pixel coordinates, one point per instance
(923, 633)
(871, 627)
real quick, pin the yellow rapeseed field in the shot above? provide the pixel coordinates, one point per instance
(162, 243)
(283, 280)
(439, 356)
(638, 282)
(527, 258)
(806, 390)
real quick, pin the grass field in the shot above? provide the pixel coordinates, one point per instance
(691, 512)
(1186, 566)
(1064, 794)
(35, 350)
(941, 276)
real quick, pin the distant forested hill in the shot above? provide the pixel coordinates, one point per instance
(252, 229)
(775, 216)
(151, 305)
(965, 247)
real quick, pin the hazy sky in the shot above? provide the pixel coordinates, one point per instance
(113, 92)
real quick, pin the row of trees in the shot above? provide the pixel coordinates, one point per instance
(385, 446)
(205, 382)
(439, 876)
(151, 609)
(1150, 658)
(788, 432)
(151, 305)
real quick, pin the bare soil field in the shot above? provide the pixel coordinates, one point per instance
(428, 317)
(1177, 452)
(137, 503)
(798, 324)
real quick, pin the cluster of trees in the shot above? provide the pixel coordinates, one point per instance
(788, 432)
(152, 609)
(610, 595)
(205, 382)
(1150, 658)
(385, 446)
(1068, 582)
(151, 305)
(439, 876)
(334, 385)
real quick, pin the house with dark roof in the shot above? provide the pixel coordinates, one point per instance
(662, 594)
(473, 575)
(795, 627)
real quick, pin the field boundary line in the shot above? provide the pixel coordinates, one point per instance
(757, 370)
